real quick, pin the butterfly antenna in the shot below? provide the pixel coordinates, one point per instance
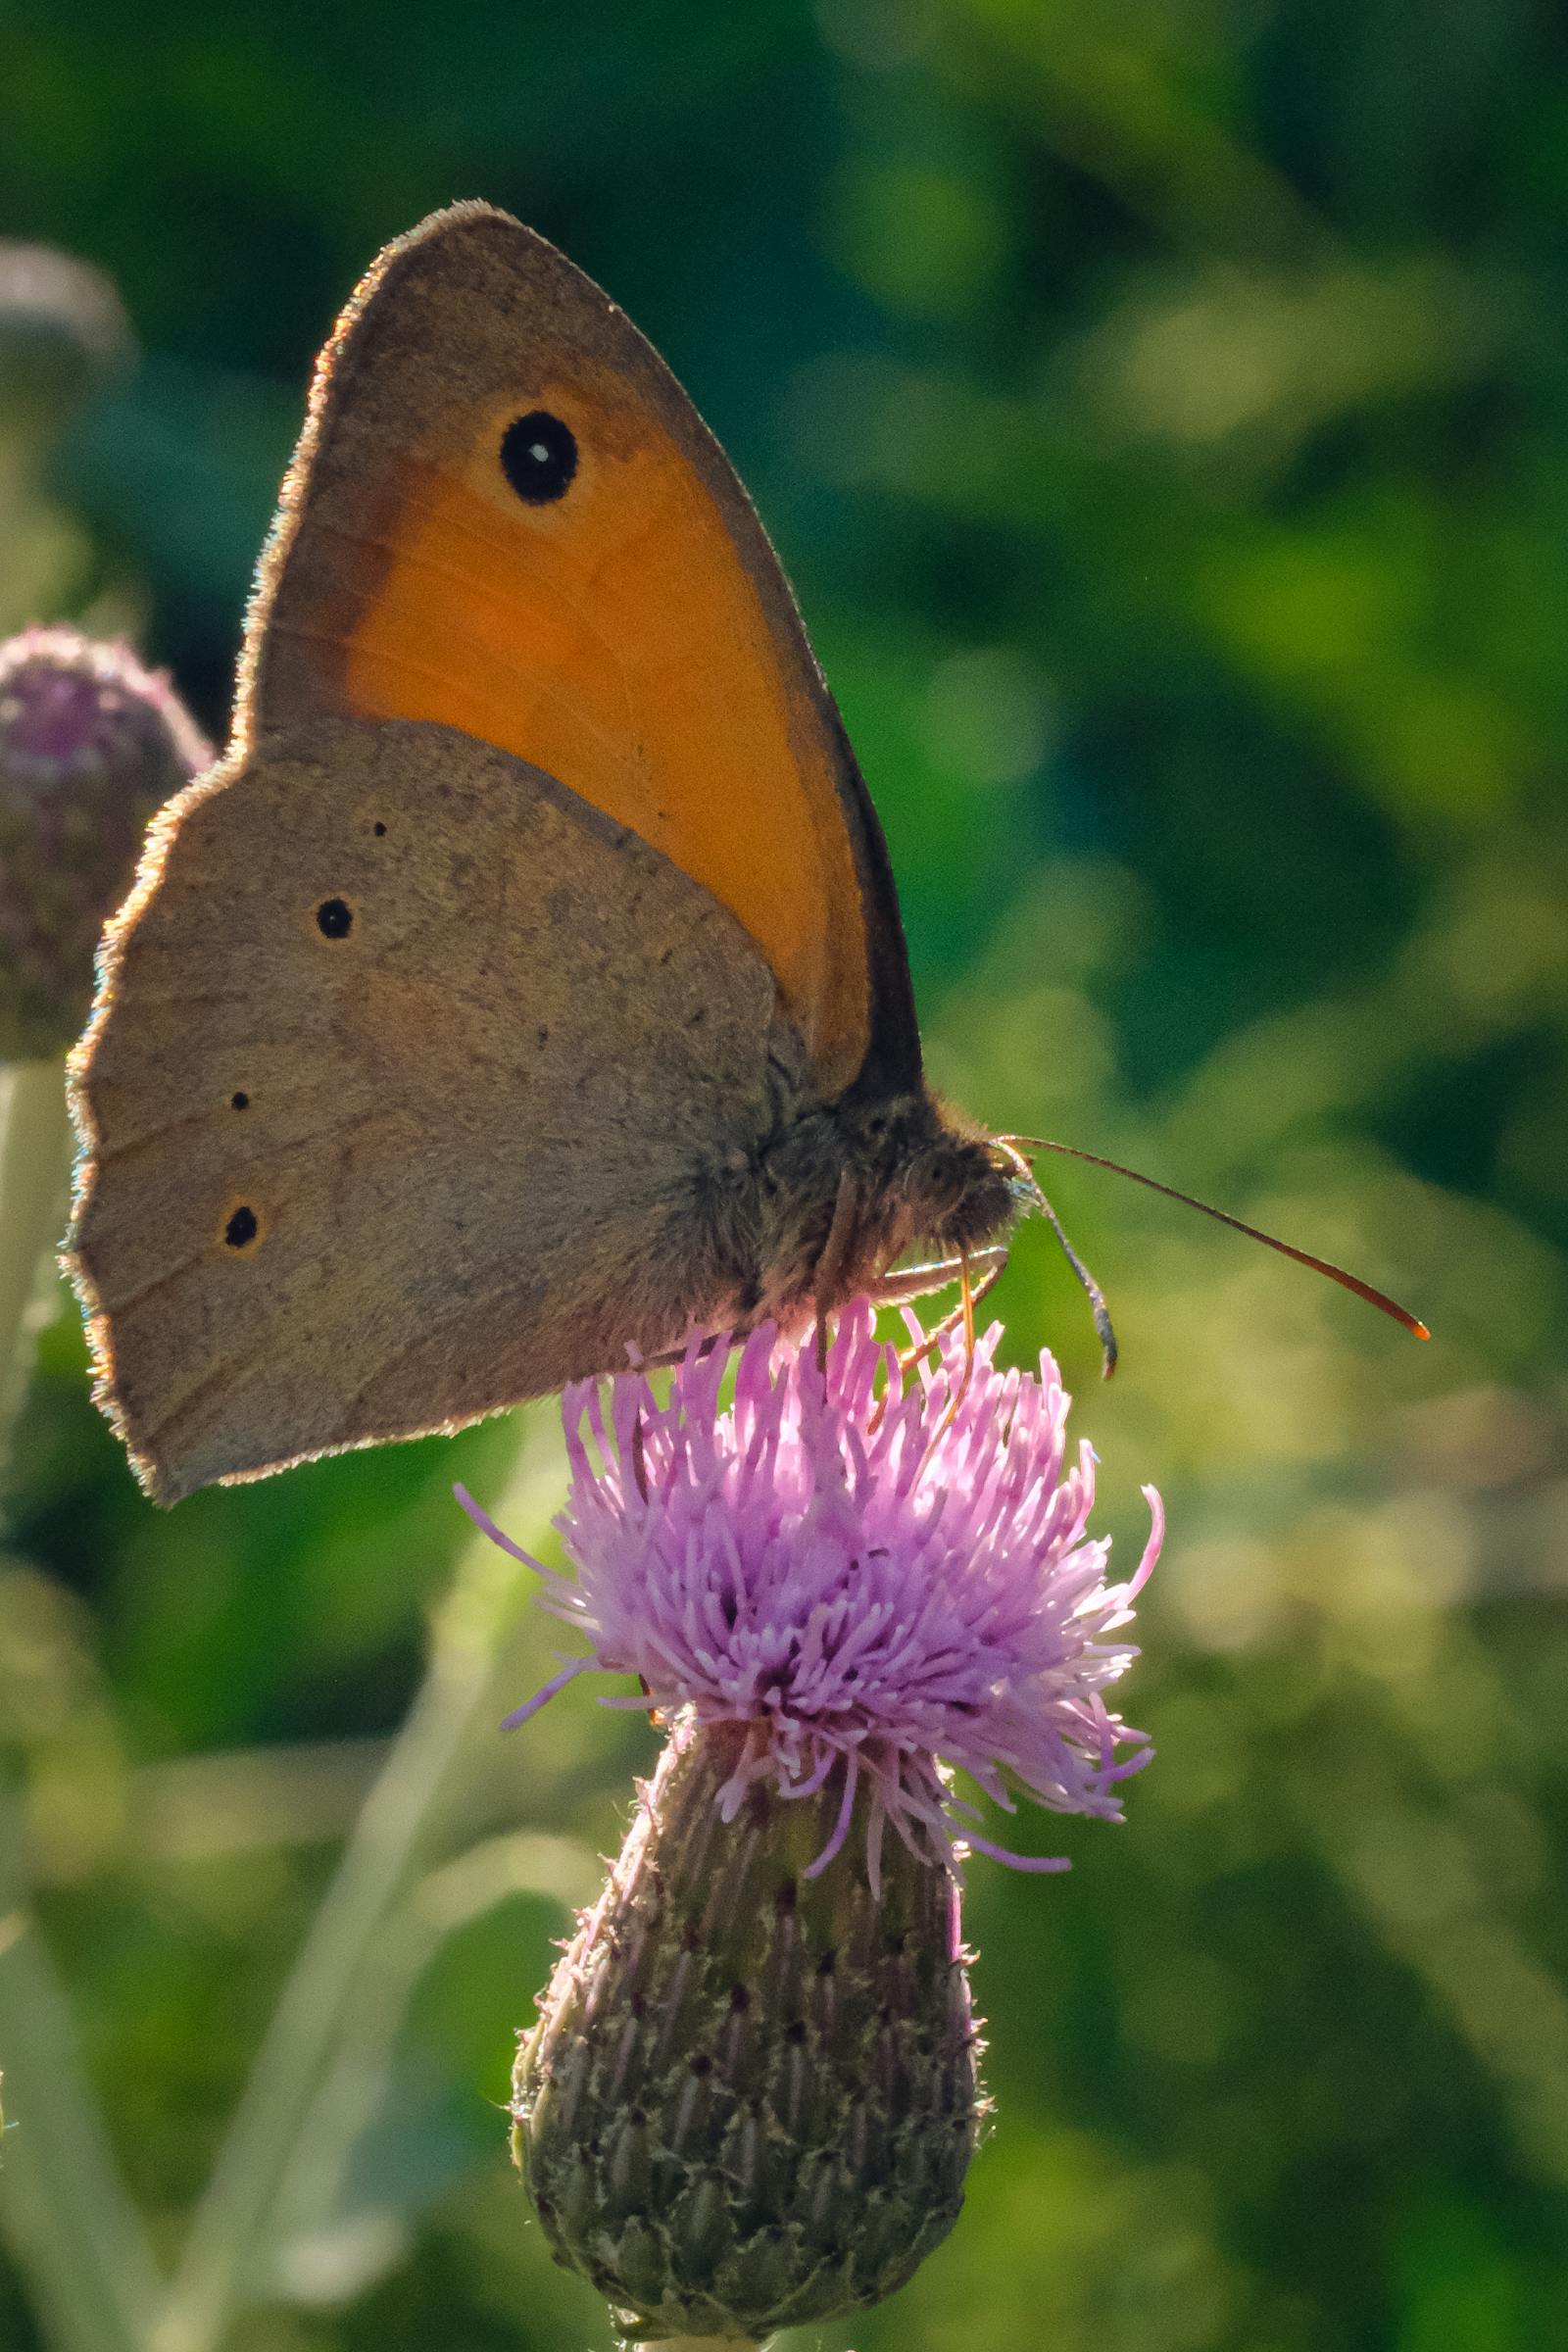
(1103, 1330)
(1347, 1281)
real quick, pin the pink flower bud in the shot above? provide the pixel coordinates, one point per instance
(90, 745)
(63, 329)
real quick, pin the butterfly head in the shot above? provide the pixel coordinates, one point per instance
(962, 1192)
(947, 1184)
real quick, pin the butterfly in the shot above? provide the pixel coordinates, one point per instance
(526, 984)
(525, 989)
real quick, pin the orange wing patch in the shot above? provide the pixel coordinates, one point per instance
(614, 638)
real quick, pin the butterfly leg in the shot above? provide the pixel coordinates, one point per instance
(964, 1312)
(958, 1269)
(913, 1282)
(828, 1278)
(992, 1263)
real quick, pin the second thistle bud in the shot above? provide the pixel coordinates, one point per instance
(90, 745)
(63, 331)
(751, 2098)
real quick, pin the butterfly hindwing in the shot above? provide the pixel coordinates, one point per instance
(408, 1120)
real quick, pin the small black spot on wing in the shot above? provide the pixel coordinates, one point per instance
(240, 1099)
(334, 918)
(243, 1229)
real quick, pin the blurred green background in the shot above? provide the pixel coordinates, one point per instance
(1162, 411)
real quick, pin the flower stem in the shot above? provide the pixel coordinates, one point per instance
(63, 2205)
(35, 1163)
(404, 1813)
(74, 2231)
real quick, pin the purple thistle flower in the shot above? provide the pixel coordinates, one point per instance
(751, 2095)
(876, 1595)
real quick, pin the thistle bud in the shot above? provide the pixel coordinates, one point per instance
(62, 330)
(90, 745)
(751, 2098)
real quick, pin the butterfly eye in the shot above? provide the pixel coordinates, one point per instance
(538, 457)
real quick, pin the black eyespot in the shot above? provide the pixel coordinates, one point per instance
(242, 1229)
(378, 828)
(334, 918)
(538, 457)
(240, 1099)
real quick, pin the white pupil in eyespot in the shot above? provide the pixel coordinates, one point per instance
(538, 452)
